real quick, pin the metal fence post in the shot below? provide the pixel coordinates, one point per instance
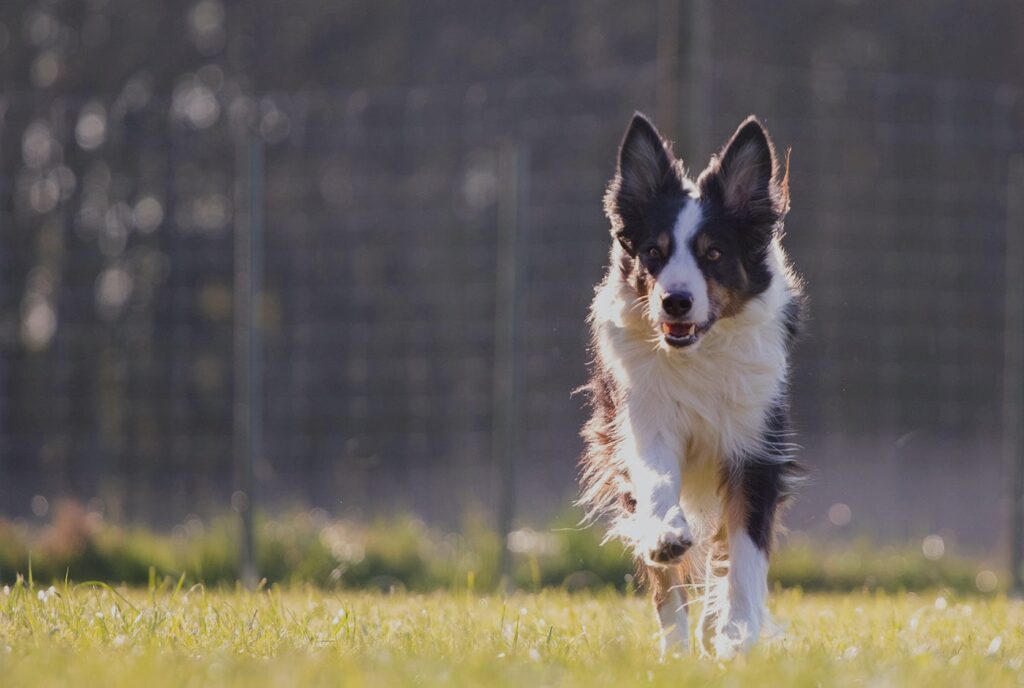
(248, 411)
(684, 46)
(506, 406)
(666, 89)
(1013, 367)
(697, 103)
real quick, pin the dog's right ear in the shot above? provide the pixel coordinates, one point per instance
(645, 162)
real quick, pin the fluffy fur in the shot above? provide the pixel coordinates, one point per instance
(687, 448)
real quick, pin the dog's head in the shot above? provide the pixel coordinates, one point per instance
(695, 252)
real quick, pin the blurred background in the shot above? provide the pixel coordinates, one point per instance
(334, 258)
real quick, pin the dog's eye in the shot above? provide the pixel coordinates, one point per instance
(654, 252)
(713, 254)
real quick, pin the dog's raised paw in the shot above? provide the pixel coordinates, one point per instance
(669, 547)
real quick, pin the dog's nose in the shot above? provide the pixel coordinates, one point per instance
(678, 304)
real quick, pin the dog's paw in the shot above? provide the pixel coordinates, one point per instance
(668, 546)
(735, 638)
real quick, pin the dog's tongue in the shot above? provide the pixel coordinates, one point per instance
(678, 329)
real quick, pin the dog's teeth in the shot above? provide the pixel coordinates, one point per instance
(693, 328)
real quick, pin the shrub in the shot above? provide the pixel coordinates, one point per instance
(404, 553)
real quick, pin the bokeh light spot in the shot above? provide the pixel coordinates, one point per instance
(986, 581)
(45, 69)
(839, 514)
(147, 214)
(91, 130)
(40, 506)
(933, 547)
(113, 289)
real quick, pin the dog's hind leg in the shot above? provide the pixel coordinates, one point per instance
(669, 598)
(714, 584)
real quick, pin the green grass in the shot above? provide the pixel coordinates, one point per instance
(167, 636)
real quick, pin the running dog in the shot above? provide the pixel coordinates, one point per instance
(687, 449)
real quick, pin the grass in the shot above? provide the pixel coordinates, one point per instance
(170, 635)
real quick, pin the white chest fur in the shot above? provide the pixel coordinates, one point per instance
(707, 404)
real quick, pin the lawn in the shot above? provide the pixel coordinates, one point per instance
(95, 635)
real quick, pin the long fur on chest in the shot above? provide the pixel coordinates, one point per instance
(718, 407)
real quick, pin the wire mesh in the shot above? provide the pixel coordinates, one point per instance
(381, 207)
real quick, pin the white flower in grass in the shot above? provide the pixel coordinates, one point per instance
(46, 595)
(993, 647)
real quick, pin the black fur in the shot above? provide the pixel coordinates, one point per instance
(650, 189)
(794, 317)
(743, 202)
(768, 480)
(605, 484)
(742, 268)
(748, 218)
(643, 202)
(646, 194)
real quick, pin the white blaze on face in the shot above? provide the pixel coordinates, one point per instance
(681, 273)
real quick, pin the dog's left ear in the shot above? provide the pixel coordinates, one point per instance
(745, 177)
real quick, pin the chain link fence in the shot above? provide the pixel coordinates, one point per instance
(382, 210)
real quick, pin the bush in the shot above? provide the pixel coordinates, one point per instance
(403, 553)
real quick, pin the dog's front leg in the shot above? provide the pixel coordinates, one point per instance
(660, 533)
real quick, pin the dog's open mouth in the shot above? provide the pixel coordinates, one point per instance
(679, 334)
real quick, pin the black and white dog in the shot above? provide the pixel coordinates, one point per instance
(687, 445)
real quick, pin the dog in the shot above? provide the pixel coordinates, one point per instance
(687, 447)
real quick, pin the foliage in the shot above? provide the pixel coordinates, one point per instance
(404, 553)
